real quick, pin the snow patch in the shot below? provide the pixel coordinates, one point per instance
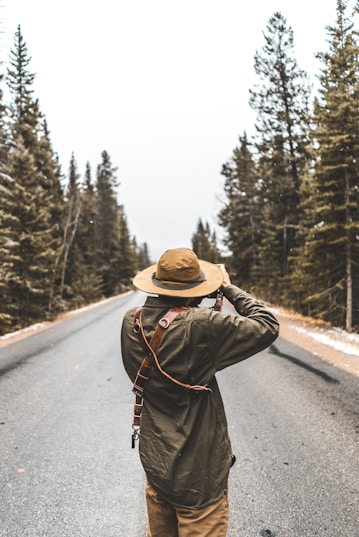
(330, 338)
(37, 326)
(31, 328)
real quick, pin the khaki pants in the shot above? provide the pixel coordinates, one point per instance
(166, 520)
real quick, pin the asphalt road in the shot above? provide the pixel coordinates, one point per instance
(66, 464)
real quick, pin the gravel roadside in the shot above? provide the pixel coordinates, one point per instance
(336, 346)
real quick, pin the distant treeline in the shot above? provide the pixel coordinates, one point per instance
(290, 214)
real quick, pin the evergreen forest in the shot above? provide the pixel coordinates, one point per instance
(61, 247)
(290, 211)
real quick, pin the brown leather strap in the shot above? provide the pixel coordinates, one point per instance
(162, 326)
(150, 359)
(219, 301)
(143, 373)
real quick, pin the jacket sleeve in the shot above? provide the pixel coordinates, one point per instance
(131, 350)
(237, 337)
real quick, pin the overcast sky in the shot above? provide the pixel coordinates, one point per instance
(162, 86)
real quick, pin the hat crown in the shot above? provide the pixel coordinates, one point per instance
(178, 265)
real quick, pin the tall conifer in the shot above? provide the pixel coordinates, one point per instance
(8, 238)
(10, 194)
(126, 260)
(34, 254)
(107, 224)
(241, 215)
(29, 164)
(71, 217)
(85, 279)
(281, 103)
(204, 243)
(3, 137)
(142, 255)
(330, 224)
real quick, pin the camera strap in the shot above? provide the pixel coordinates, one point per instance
(219, 301)
(150, 360)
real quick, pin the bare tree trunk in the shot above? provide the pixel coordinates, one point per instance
(349, 261)
(69, 235)
(349, 315)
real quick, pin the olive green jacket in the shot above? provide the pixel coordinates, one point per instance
(184, 445)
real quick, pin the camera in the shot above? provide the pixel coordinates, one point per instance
(214, 294)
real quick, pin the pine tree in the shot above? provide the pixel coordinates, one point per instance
(3, 137)
(10, 194)
(50, 174)
(126, 261)
(85, 279)
(34, 258)
(281, 102)
(204, 243)
(36, 226)
(241, 216)
(108, 225)
(24, 110)
(142, 255)
(8, 239)
(330, 225)
(72, 212)
(50, 179)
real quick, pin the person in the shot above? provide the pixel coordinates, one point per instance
(184, 444)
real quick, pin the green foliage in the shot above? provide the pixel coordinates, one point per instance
(10, 193)
(86, 280)
(34, 254)
(292, 195)
(3, 137)
(142, 255)
(204, 243)
(68, 259)
(58, 250)
(34, 172)
(241, 214)
(108, 226)
(281, 142)
(330, 223)
(291, 210)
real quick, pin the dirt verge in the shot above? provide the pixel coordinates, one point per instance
(334, 345)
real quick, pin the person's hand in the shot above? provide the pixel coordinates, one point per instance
(226, 278)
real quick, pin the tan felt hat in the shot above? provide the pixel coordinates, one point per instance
(180, 273)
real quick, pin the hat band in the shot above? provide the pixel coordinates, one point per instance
(177, 286)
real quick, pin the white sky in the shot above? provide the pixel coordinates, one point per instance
(162, 86)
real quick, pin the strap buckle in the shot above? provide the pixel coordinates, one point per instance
(164, 322)
(135, 435)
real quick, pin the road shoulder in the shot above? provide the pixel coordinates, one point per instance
(336, 346)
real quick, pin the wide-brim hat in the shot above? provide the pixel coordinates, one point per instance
(180, 273)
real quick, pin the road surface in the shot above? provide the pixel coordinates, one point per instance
(67, 468)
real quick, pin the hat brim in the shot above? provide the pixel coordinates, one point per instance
(213, 279)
